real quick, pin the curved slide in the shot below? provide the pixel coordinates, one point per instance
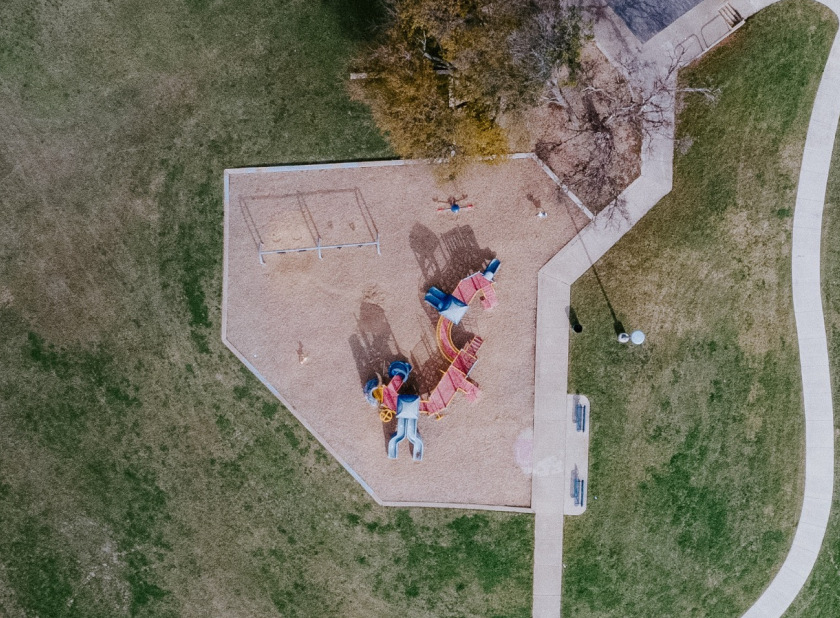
(444, 338)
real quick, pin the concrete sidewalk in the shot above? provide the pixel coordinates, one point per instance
(548, 483)
(813, 348)
(552, 352)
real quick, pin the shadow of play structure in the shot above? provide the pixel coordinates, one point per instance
(407, 407)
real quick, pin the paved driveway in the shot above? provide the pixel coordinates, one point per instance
(647, 17)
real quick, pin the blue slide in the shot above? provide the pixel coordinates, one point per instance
(408, 411)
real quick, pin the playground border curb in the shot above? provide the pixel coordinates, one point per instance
(398, 162)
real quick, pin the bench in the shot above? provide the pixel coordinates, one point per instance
(580, 417)
(578, 490)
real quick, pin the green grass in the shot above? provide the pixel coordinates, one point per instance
(143, 470)
(821, 596)
(697, 436)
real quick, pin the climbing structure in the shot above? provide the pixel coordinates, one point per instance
(452, 308)
(406, 407)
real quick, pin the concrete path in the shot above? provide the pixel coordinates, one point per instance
(552, 357)
(552, 354)
(547, 488)
(556, 277)
(813, 348)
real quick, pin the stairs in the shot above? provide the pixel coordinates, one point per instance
(730, 15)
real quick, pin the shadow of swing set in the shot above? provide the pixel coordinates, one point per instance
(408, 407)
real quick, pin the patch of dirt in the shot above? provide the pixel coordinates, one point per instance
(579, 133)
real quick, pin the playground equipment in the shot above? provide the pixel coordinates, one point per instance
(455, 208)
(408, 412)
(452, 308)
(407, 407)
(318, 247)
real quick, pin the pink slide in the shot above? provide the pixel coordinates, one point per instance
(391, 392)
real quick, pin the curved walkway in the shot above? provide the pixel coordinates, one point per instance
(813, 348)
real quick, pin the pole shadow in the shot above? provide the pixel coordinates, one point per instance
(573, 319)
(617, 325)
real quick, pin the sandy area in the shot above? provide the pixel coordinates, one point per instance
(318, 329)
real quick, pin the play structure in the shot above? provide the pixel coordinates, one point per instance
(455, 208)
(453, 205)
(406, 407)
(452, 308)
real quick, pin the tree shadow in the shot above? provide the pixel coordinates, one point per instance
(447, 259)
(359, 20)
(374, 347)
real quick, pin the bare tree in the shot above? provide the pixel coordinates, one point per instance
(609, 119)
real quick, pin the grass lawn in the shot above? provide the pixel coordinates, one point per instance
(143, 470)
(697, 436)
(821, 594)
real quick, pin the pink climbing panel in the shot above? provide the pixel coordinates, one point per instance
(454, 379)
(488, 297)
(467, 357)
(472, 285)
(390, 393)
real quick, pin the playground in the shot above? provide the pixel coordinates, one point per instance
(317, 322)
